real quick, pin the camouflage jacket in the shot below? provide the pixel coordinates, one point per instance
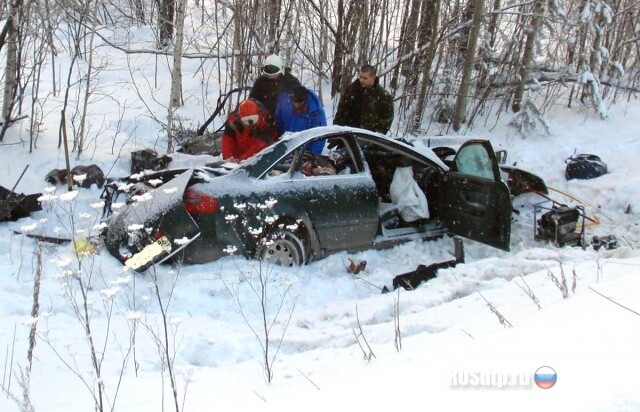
(368, 108)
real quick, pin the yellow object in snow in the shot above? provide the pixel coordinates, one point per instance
(83, 246)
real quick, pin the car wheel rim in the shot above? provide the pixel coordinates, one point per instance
(283, 252)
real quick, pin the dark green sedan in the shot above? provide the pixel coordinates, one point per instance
(289, 206)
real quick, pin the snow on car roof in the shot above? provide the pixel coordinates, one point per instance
(445, 140)
(418, 145)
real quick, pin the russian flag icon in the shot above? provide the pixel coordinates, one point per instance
(545, 377)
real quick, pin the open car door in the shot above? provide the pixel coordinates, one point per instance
(477, 203)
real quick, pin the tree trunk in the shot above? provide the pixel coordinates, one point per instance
(87, 92)
(176, 74)
(467, 14)
(529, 53)
(492, 26)
(469, 62)
(11, 69)
(404, 40)
(165, 22)
(338, 51)
(273, 21)
(139, 11)
(426, 60)
(352, 20)
(411, 33)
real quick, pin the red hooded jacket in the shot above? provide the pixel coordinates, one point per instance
(241, 141)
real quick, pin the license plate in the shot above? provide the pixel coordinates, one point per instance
(148, 254)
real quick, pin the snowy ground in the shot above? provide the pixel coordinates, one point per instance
(449, 334)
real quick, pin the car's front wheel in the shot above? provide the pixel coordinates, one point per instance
(284, 249)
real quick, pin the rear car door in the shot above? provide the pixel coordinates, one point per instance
(343, 206)
(477, 203)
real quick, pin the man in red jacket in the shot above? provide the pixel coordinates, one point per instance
(248, 130)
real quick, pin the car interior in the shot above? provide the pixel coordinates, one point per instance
(384, 162)
(339, 158)
(336, 162)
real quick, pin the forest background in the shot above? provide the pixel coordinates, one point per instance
(448, 64)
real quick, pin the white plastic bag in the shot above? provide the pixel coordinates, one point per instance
(407, 196)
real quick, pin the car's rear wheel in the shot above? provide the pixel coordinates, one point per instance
(284, 249)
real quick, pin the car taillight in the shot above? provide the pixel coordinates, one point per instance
(198, 202)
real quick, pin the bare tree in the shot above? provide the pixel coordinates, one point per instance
(166, 10)
(469, 63)
(428, 30)
(176, 75)
(87, 92)
(274, 299)
(9, 35)
(408, 37)
(418, 46)
(526, 66)
(344, 64)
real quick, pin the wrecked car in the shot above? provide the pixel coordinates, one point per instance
(289, 206)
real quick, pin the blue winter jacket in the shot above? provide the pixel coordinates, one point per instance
(290, 120)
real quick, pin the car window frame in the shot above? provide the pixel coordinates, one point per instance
(391, 146)
(477, 156)
(298, 155)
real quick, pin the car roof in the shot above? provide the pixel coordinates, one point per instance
(446, 140)
(298, 138)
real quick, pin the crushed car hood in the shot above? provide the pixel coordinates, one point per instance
(158, 211)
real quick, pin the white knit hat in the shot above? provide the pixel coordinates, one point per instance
(273, 66)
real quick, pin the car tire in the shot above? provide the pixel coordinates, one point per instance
(284, 249)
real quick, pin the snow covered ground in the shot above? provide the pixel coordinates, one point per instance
(471, 338)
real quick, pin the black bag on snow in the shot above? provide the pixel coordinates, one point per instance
(584, 166)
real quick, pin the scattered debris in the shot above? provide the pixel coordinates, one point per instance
(559, 225)
(584, 166)
(44, 238)
(201, 144)
(606, 242)
(520, 181)
(82, 176)
(148, 159)
(356, 266)
(14, 205)
(411, 280)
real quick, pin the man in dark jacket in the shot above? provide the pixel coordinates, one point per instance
(273, 82)
(301, 110)
(365, 103)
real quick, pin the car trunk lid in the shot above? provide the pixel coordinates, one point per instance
(160, 214)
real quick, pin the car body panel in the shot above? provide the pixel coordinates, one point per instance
(153, 215)
(520, 181)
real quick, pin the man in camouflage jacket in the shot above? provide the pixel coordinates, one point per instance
(365, 103)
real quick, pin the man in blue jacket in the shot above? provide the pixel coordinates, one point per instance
(301, 110)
